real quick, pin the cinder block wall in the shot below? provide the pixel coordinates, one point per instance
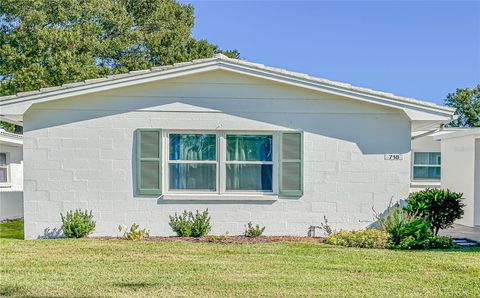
(78, 154)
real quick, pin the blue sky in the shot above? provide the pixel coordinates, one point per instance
(416, 49)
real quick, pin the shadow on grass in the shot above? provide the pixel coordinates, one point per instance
(134, 285)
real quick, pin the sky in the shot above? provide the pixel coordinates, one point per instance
(423, 50)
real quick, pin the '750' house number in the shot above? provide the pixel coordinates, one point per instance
(393, 156)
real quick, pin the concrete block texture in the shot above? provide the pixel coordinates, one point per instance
(81, 154)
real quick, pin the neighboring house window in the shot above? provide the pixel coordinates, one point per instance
(3, 168)
(426, 165)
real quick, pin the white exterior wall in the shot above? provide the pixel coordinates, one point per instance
(78, 154)
(458, 156)
(11, 193)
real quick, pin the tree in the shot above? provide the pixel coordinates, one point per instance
(53, 42)
(440, 208)
(467, 103)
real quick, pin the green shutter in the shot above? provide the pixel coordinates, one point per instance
(149, 161)
(291, 164)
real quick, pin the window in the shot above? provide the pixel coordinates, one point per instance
(249, 165)
(220, 162)
(426, 165)
(207, 162)
(192, 162)
(3, 168)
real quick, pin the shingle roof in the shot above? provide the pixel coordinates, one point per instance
(223, 58)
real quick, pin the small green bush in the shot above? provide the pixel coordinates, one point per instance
(441, 242)
(188, 224)
(134, 232)
(400, 225)
(440, 208)
(77, 224)
(367, 238)
(253, 231)
(181, 225)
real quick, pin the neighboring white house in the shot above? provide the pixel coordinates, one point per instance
(11, 175)
(246, 141)
(461, 156)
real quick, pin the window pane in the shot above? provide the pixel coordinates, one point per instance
(150, 144)
(249, 147)
(3, 159)
(427, 158)
(249, 177)
(426, 172)
(193, 147)
(149, 174)
(3, 175)
(193, 176)
(291, 176)
(292, 146)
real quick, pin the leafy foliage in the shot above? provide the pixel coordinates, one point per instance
(253, 231)
(134, 232)
(49, 43)
(440, 208)
(188, 224)
(467, 103)
(77, 224)
(367, 238)
(399, 225)
(200, 223)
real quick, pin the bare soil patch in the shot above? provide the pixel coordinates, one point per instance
(226, 239)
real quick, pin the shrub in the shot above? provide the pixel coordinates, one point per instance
(400, 225)
(77, 224)
(440, 208)
(200, 223)
(133, 233)
(253, 231)
(188, 224)
(181, 225)
(442, 242)
(368, 238)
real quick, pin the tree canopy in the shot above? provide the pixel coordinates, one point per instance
(53, 42)
(467, 103)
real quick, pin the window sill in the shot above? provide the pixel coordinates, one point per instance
(425, 183)
(216, 197)
(6, 185)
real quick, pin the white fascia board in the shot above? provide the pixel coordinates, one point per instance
(10, 141)
(20, 105)
(473, 132)
(17, 106)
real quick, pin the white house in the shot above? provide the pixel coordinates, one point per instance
(11, 175)
(248, 142)
(461, 156)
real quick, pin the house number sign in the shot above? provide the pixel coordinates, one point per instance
(393, 156)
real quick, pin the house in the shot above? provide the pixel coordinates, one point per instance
(247, 141)
(11, 175)
(461, 156)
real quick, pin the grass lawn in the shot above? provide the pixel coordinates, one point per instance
(88, 267)
(12, 229)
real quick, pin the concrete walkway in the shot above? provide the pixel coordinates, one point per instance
(459, 231)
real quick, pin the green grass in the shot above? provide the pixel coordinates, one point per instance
(93, 268)
(12, 229)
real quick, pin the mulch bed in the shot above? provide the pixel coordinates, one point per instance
(227, 239)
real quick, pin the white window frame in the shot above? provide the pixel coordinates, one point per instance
(7, 167)
(167, 162)
(425, 165)
(274, 162)
(221, 161)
